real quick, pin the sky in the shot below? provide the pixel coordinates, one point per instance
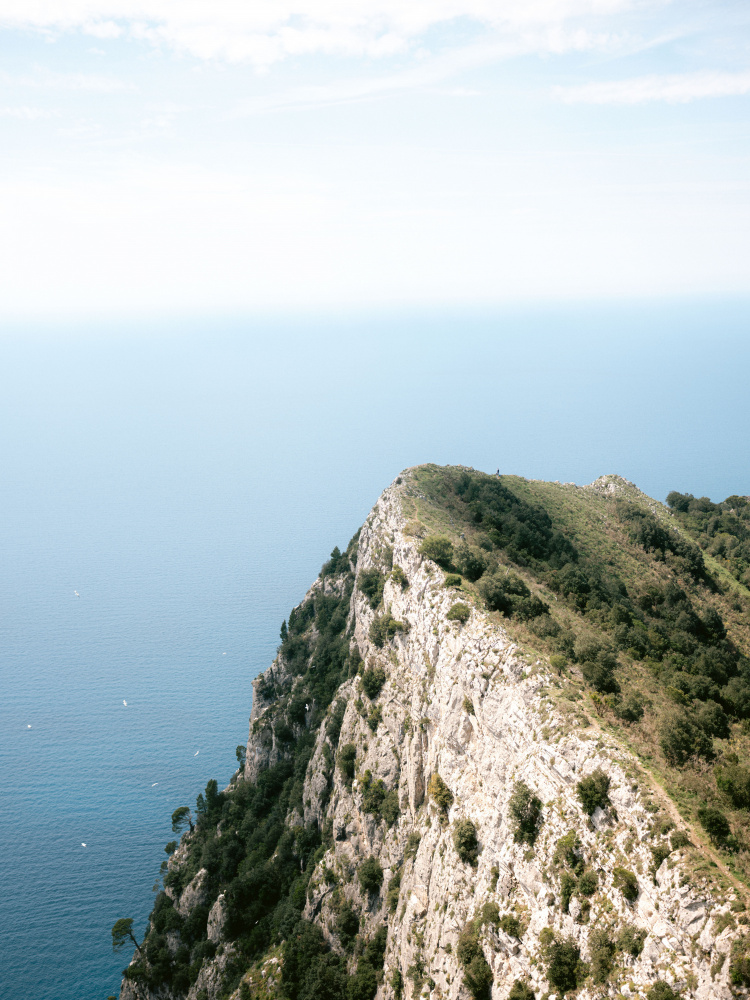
(169, 157)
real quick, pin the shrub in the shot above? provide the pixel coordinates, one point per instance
(525, 813)
(347, 760)
(373, 680)
(470, 561)
(490, 914)
(568, 885)
(631, 939)
(569, 851)
(563, 965)
(558, 662)
(452, 580)
(630, 709)
(659, 854)
(477, 973)
(398, 576)
(499, 589)
(681, 740)
(437, 548)
(335, 720)
(662, 991)
(363, 985)
(468, 706)
(602, 950)
(370, 875)
(511, 925)
(459, 612)
(739, 967)
(734, 780)
(588, 883)
(593, 791)
(371, 582)
(521, 990)
(626, 882)
(465, 841)
(412, 845)
(600, 673)
(347, 924)
(383, 628)
(393, 891)
(715, 823)
(680, 838)
(439, 792)
(374, 718)
(712, 718)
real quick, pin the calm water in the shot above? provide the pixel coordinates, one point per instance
(188, 481)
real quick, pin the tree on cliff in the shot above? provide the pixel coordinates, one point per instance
(122, 930)
(181, 818)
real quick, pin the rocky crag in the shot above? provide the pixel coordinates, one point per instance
(461, 821)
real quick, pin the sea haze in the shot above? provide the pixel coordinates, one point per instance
(188, 480)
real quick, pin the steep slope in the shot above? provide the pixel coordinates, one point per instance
(455, 781)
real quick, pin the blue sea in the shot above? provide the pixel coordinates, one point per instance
(169, 490)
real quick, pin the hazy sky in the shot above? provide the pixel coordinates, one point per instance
(177, 156)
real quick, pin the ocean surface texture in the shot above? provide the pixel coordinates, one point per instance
(167, 495)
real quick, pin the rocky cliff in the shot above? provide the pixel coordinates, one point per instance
(462, 819)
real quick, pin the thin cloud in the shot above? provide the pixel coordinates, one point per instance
(266, 31)
(25, 113)
(45, 79)
(675, 88)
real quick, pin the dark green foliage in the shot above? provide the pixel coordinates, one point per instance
(600, 673)
(122, 932)
(374, 718)
(379, 800)
(439, 549)
(501, 589)
(171, 847)
(439, 792)
(593, 791)
(412, 846)
(393, 891)
(521, 990)
(525, 813)
(459, 612)
(713, 720)
(563, 965)
(653, 536)
(602, 950)
(588, 883)
(739, 967)
(465, 841)
(383, 628)
(630, 709)
(370, 875)
(568, 884)
(627, 882)
(373, 680)
(662, 991)
(569, 851)
(347, 759)
(715, 823)
(182, 819)
(511, 925)
(338, 563)
(371, 582)
(681, 739)
(309, 970)
(398, 576)
(347, 924)
(734, 780)
(335, 720)
(489, 914)
(659, 854)
(452, 580)
(631, 940)
(477, 972)
(397, 983)
(470, 561)
(679, 838)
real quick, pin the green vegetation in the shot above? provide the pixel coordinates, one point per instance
(715, 823)
(439, 549)
(511, 925)
(122, 932)
(662, 991)
(347, 760)
(373, 680)
(565, 971)
(370, 875)
(459, 612)
(452, 580)
(398, 576)
(627, 882)
(525, 813)
(476, 969)
(371, 582)
(593, 791)
(521, 990)
(465, 841)
(379, 800)
(383, 628)
(440, 794)
(649, 606)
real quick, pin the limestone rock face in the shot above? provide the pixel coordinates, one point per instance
(464, 702)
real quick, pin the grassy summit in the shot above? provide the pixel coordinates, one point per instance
(642, 610)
